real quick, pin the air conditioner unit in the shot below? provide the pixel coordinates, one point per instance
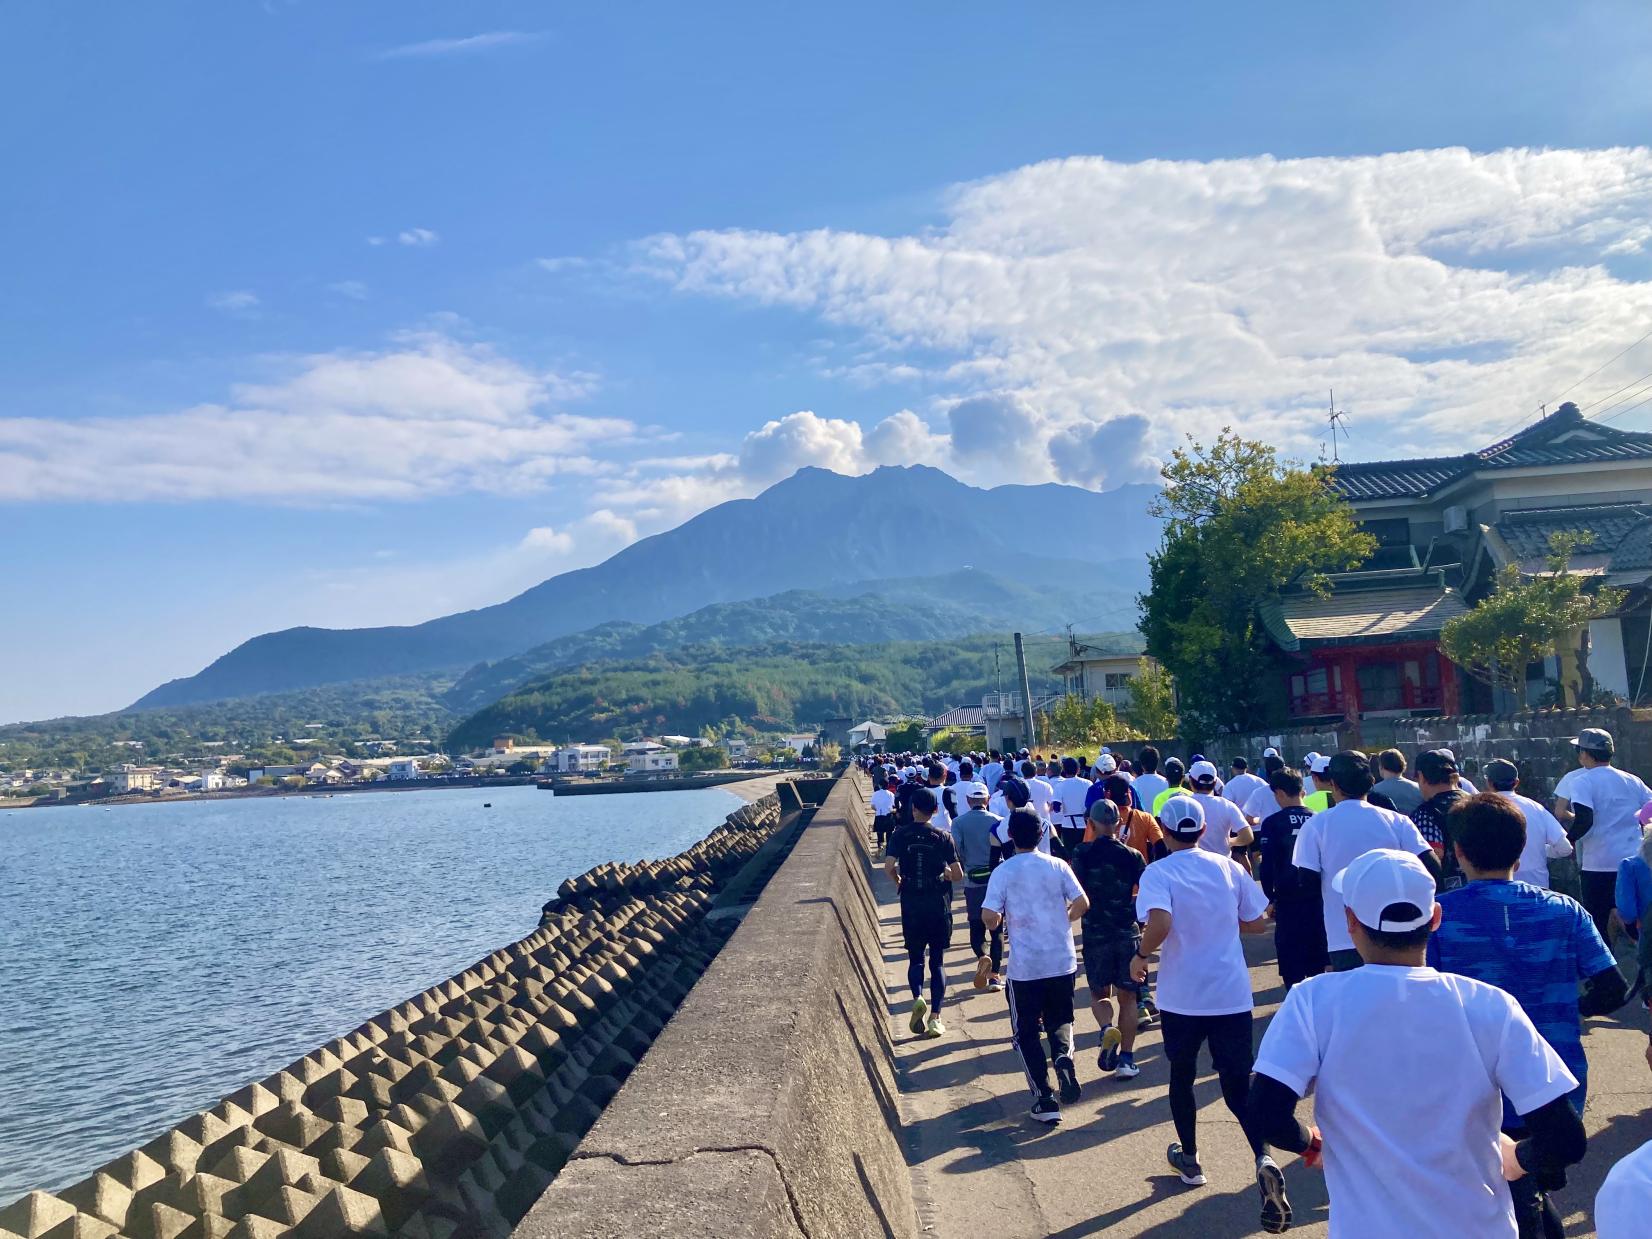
(1456, 518)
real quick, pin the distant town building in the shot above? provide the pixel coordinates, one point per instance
(503, 744)
(799, 742)
(130, 778)
(579, 758)
(867, 735)
(404, 768)
(736, 748)
(646, 756)
(274, 772)
(1091, 674)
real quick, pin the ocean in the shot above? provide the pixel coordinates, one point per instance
(156, 957)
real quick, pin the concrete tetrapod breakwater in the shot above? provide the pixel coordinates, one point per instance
(768, 1107)
(444, 1117)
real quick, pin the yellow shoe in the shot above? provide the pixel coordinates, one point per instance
(935, 1028)
(920, 1009)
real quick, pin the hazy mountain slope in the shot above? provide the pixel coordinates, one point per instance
(814, 530)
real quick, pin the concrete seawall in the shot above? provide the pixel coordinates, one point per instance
(449, 1114)
(768, 1105)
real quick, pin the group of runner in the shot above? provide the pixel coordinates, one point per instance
(1412, 920)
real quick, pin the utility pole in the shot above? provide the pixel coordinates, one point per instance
(1031, 740)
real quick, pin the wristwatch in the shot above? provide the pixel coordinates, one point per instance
(1148, 958)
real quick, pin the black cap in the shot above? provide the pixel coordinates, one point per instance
(1501, 773)
(925, 801)
(1437, 765)
(1348, 764)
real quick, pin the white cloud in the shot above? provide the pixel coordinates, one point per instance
(469, 44)
(426, 415)
(1442, 293)
(418, 238)
(235, 301)
(355, 290)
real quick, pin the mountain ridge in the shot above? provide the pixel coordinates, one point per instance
(813, 530)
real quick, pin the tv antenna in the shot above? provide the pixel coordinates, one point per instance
(1339, 425)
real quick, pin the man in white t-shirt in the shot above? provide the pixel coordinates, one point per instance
(1334, 838)
(1036, 898)
(1225, 826)
(1260, 804)
(1545, 837)
(1409, 1151)
(1624, 1202)
(1242, 784)
(1196, 904)
(1072, 793)
(992, 771)
(883, 815)
(1148, 781)
(1598, 802)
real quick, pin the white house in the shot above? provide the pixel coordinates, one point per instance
(575, 758)
(867, 734)
(1096, 675)
(130, 778)
(646, 756)
(736, 748)
(798, 742)
(405, 768)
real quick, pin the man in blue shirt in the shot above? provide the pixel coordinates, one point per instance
(1534, 944)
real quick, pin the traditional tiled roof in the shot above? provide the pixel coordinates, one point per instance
(961, 716)
(1564, 437)
(1361, 616)
(1600, 527)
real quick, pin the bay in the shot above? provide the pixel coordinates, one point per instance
(155, 957)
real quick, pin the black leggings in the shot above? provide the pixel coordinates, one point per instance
(937, 974)
(1043, 1005)
(1599, 897)
(1230, 1053)
(973, 895)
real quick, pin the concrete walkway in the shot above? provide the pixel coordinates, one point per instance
(982, 1169)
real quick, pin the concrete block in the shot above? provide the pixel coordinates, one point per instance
(293, 1125)
(102, 1196)
(136, 1170)
(343, 1165)
(160, 1221)
(254, 1099)
(343, 1110)
(33, 1215)
(239, 1163)
(253, 1227)
(398, 1182)
(450, 1141)
(175, 1151)
(385, 1134)
(341, 1212)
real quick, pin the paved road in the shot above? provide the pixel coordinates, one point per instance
(984, 1170)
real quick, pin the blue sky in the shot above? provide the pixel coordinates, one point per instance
(345, 313)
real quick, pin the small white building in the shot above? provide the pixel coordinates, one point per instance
(404, 768)
(579, 758)
(1095, 675)
(646, 756)
(130, 778)
(799, 742)
(736, 748)
(867, 735)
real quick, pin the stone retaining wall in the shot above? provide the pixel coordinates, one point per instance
(446, 1116)
(768, 1107)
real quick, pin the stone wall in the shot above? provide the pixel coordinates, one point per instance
(768, 1107)
(447, 1115)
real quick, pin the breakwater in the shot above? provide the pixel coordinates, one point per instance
(449, 1113)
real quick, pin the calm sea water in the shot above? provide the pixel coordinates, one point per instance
(156, 957)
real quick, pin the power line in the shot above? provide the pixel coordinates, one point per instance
(1604, 364)
(1609, 395)
(1605, 413)
(1544, 407)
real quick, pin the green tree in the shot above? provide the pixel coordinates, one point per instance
(1075, 721)
(906, 736)
(1524, 619)
(1152, 708)
(705, 757)
(1240, 525)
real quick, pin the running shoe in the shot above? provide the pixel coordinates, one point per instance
(1067, 1074)
(1187, 1167)
(995, 986)
(920, 1009)
(1047, 1109)
(1146, 1013)
(934, 1028)
(983, 971)
(1127, 1069)
(1111, 1039)
(1276, 1210)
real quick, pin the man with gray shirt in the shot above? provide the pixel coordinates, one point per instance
(972, 833)
(1402, 793)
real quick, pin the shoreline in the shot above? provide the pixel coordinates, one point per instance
(383, 785)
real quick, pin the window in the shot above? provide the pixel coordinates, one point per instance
(1394, 532)
(1117, 680)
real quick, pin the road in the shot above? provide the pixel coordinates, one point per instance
(982, 1169)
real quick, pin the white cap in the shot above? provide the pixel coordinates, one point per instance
(1317, 763)
(1270, 751)
(1381, 878)
(1179, 809)
(974, 790)
(1201, 771)
(1106, 764)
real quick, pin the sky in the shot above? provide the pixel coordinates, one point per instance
(363, 312)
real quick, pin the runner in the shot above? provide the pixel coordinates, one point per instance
(1545, 837)
(1317, 765)
(1598, 802)
(1108, 871)
(974, 833)
(883, 815)
(924, 864)
(1149, 782)
(936, 774)
(1036, 899)
(1139, 830)
(1293, 894)
(1070, 795)
(1260, 804)
(1241, 784)
(1402, 793)
(1531, 943)
(1625, 1198)
(1332, 840)
(1437, 779)
(1225, 826)
(1174, 774)
(1408, 1150)
(1196, 904)
(993, 770)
